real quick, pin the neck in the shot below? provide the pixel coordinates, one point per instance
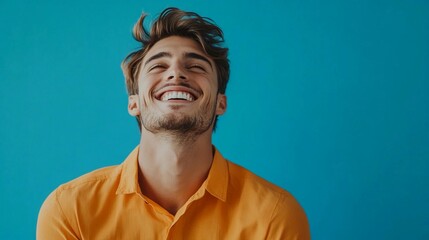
(171, 171)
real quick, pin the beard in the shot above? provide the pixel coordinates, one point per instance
(180, 125)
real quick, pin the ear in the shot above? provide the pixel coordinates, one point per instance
(221, 104)
(133, 105)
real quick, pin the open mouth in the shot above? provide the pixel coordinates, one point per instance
(177, 95)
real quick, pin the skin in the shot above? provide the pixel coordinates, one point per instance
(174, 161)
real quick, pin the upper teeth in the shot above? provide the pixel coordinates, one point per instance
(177, 95)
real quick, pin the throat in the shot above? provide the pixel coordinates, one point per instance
(171, 196)
(171, 179)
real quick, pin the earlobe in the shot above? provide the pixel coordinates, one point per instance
(221, 104)
(133, 105)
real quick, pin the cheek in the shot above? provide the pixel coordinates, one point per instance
(210, 97)
(210, 86)
(147, 85)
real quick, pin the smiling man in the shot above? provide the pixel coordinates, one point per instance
(175, 184)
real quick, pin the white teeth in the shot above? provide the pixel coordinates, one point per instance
(177, 95)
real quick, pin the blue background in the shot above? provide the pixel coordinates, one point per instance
(328, 99)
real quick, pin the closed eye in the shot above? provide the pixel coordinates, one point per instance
(157, 66)
(196, 67)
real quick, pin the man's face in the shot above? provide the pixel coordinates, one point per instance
(177, 89)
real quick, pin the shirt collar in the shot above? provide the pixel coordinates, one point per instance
(216, 183)
(128, 182)
(217, 180)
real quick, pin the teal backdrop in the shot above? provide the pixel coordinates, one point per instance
(328, 99)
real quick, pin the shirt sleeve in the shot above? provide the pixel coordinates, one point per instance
(52, 223)
(288, 221)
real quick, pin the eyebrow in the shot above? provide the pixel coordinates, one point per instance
(187, 55)
(197, 56)
(157, 56)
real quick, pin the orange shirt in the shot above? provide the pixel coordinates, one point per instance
(232, 203)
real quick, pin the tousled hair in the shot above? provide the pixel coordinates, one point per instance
(175, 22)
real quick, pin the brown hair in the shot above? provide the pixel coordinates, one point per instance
(175, 22)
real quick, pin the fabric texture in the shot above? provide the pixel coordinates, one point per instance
(232, 203)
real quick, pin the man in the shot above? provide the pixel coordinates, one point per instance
(175, 184)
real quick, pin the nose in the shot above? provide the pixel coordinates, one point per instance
(176, 73)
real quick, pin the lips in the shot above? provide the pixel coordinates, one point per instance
(181, 93)
(176, 95)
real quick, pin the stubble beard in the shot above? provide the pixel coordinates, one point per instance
(179, 126)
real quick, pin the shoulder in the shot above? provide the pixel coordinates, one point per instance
(278, 207)
(86, 188)
(288, 220)
(98, 175)
(90, 185)
(81, 194)
(241, 177)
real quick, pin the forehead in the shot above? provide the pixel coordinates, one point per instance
(176, 45)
